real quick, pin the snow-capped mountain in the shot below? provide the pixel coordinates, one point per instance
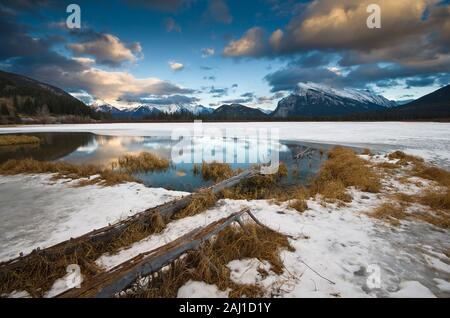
(313, 100)
(151, 109)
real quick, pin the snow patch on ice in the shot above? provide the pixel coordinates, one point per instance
(412, 289)
(38, 212)
(194, 289)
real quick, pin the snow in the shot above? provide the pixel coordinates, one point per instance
(428, 140)
(245, 271)
(193, 289)
(360, 96)
(443, 285)
(412, 289)
(338, 249)
(37, 212)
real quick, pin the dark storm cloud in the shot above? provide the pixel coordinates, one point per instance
(420, 81)
(161, 5)
(218, 11)
(248, 95)
(360, 76)
(288, 78)
(237, 101)
(414, 41)
(218, 92)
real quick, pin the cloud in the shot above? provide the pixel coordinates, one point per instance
(252, 43)
(288, 78)
(206, 52)
(218, 11)
(420, 81)
(175, 66)
(161, 5)
(114, 85)
(237, 101)
(270, 99)
(173, 99)
(107, 49)
(248, 95)
(171, 25)
(218, 92)
(414, 39)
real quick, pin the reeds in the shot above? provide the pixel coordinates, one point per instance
(208, 263)
(214, 171)
(201, 201)
(89, 174)
(14, 140)
(143, 162)
(343, 169)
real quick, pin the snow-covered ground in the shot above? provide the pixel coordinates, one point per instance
(428, 140)
(342, 244)
(339, 250)
(38, 212)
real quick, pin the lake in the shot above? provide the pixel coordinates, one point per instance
(91, 148)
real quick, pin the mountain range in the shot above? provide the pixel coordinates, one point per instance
(22, 97)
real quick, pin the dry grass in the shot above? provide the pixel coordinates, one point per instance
(390, 212)
(138, 231)
(43, 269)
(208, 264)
(344, 169)
(90, 174)
(261, 187)
(143, 162)
(404, 159)
(436, 199)
(299, 196)
(202, 201)
(433, 173)
(215, 171)
(14, 140)
(334, 191)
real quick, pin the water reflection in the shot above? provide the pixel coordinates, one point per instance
(88, 148)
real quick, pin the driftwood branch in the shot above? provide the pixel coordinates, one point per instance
(109, 283)
(111, 232)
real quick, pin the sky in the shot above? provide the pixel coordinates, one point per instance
(214, 52)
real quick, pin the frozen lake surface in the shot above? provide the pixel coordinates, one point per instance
(429, 140)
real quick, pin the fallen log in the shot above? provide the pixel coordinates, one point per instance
(109, 233)
(109, 283)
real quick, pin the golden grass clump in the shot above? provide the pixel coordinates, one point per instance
(143, 162)
(299, 203)
(260, 187)
(403, 158)
(433, 173)
(343, 169)
(138, 231)
(334, 191)
(208, 263)
(215, 171)
(201, 201)
(436, 199)
(64, 170)
(15, 140)
(390, 212)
